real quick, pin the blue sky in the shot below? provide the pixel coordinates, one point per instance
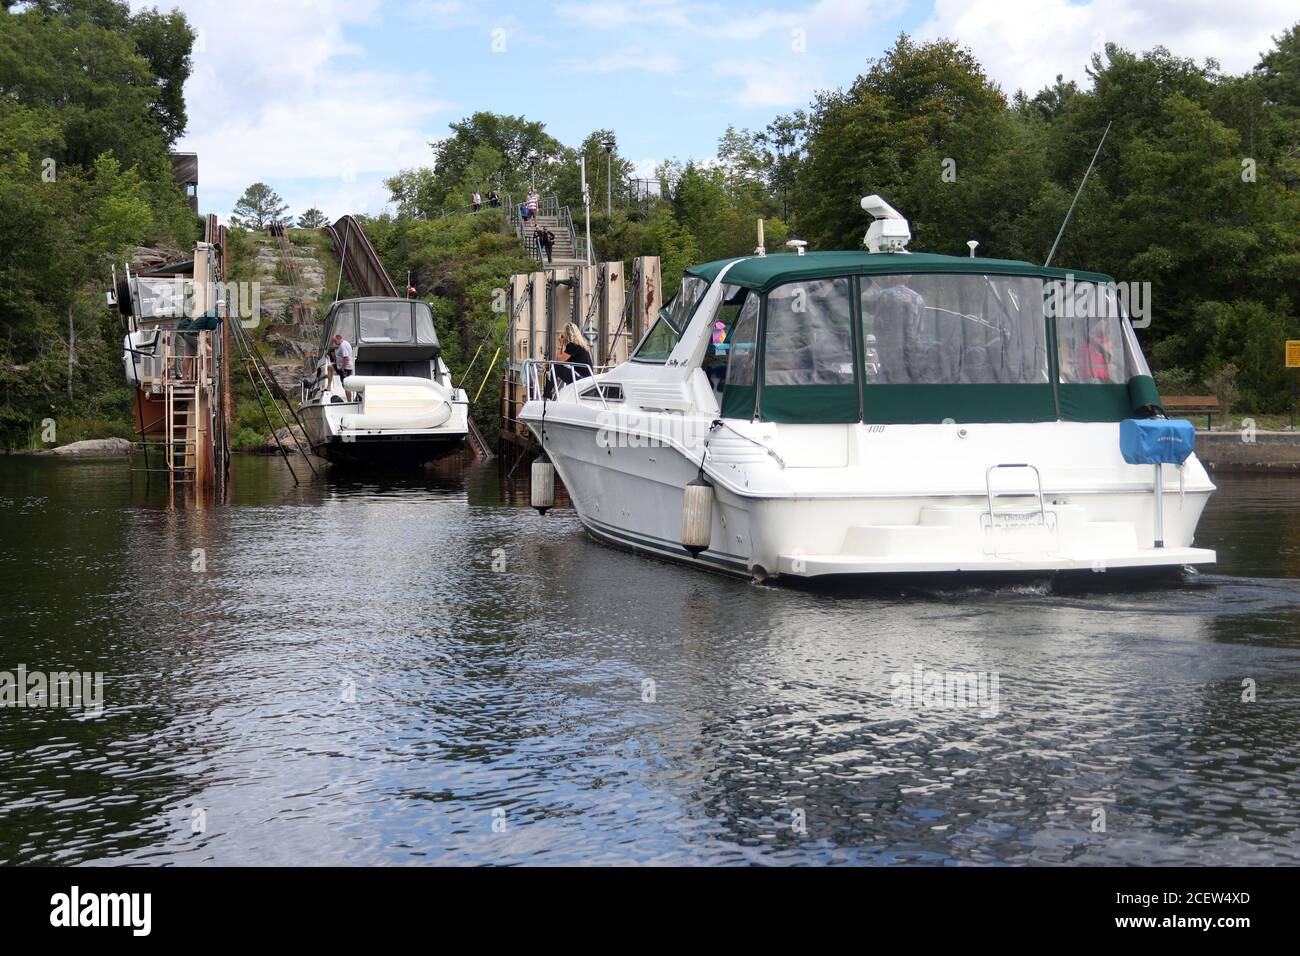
(323, 99)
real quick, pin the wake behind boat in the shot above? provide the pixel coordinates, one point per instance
(878, 411)
(400, 408)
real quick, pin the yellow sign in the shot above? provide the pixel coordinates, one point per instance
(1293, 353)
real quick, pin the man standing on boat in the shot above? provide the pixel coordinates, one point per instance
(342, 361)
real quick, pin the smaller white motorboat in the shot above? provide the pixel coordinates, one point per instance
(400, 408)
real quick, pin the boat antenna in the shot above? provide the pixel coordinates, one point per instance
(1078, 193)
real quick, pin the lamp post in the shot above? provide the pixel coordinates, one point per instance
(586, 204)
(532, 169)
(608, 143)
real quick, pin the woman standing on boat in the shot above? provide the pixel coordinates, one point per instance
(573, 349)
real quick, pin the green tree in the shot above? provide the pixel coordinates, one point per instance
(568, 176)
(1279, 72)
(313, 218)
(84, 178)
(890, 133)
(92, 77)
(165, 41)
(258, 207)
(412, 190)
(521, 145)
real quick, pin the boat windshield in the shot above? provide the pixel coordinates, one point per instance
(672, 321)
(385, 321)
(395, 321)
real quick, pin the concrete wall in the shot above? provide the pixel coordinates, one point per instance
(1245, 452)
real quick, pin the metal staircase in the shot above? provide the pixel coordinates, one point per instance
(568, 249)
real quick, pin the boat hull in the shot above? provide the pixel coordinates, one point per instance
(389, 452)
(838, 521)
(377, 448)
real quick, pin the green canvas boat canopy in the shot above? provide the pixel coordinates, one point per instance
(762, 273)
(912, 338)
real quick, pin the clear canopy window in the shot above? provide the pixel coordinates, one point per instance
(673, 318)
(425, 333)
(954, 329)
(809, 337)
(382, 322)
(742, 344)
(1096, 345)
(681, 306)
(342, 322)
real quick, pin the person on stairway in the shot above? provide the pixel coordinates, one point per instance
(545, 242)
(476, 201)
(529, 209)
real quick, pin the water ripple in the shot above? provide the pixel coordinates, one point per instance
(420, 670)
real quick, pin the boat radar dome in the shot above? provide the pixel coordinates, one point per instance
(889, 232)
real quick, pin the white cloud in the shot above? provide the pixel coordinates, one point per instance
(280, 94)
(366, 195)
(644, 168)
(768, 85)
(1024, 44)
(783, 74)
(829, 21)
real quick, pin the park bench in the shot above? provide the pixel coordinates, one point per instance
(1206, 405)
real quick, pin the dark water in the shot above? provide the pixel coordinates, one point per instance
(351, 681)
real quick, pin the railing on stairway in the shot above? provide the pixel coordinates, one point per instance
(279, 232)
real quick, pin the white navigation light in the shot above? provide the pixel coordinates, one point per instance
(889, 232)
(798, 245)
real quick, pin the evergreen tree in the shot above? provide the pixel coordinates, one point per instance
(258, 207)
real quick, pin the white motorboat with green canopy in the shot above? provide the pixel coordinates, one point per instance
(879, 411)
